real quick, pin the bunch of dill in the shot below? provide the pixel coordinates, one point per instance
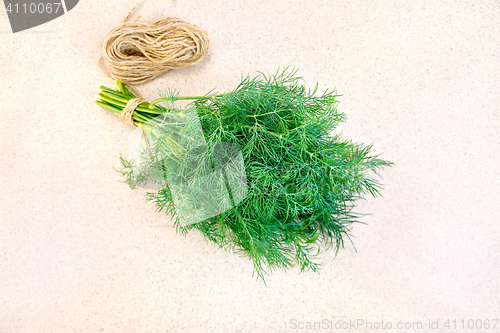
(301, 183)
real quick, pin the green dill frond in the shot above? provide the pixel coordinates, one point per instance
(302, 183)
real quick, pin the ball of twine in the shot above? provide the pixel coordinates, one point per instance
(137, 52)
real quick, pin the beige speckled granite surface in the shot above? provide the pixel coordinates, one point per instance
(81, 252)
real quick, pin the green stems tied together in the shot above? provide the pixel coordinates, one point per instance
(116, 100)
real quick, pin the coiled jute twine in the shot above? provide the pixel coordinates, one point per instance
(137, 52)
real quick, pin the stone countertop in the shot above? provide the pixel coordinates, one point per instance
(81, 252)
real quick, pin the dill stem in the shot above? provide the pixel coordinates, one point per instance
(181, 98)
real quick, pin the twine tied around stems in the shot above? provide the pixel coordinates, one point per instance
(128, 110)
